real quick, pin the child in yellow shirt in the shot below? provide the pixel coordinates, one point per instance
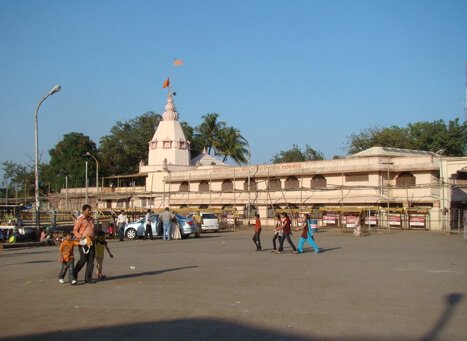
(101, 246)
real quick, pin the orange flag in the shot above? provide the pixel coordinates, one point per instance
(166, 84)
(178, 62)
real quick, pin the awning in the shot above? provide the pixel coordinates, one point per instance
(115, 197)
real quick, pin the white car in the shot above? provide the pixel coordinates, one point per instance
(209, 221)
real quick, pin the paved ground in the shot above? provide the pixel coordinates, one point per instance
(403, 285)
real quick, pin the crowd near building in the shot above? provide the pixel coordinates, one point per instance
(392, 187)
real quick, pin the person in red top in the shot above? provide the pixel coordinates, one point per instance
(84, 229)
(286, 233)
(256, 239)
(67, 258)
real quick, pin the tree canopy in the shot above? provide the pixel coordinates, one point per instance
(430, 136)
(127, 144)
(295, 154)
(67, 159)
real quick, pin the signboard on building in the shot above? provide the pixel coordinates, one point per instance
(417, 220)
(371, 220)
(395, 220)
(351, 221)
(329, 219)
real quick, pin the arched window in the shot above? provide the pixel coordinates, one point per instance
(227, 186)
(184, 187)
(405, 180)
(204, 186)
(318, 181)
(167, 144)
(252, 185)
(274, 184)
(292, 183)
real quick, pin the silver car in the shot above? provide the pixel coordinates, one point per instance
(186, 225)
(209, 221)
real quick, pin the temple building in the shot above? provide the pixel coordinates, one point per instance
(393, 187)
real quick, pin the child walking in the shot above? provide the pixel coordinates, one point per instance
(307, 235)
(67, 258)
(101, 246)
(257, 234)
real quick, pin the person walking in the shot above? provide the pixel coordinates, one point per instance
(122, 221)
(256, 236)
(166, 218)
(101, 246)
(84, 231)
(277, 232)
(147, 223)
(67, 258)
(307, 235)
(286, 233)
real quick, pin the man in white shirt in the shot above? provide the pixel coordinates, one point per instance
(147, 223)
(122, 221)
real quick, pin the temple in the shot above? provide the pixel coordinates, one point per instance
(394, 187)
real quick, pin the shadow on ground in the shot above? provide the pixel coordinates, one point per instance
(147, 273)
(217, 329)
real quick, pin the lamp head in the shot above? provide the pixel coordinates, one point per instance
(55, 89)
(441, 151)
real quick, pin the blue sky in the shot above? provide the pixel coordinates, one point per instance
(282, 72)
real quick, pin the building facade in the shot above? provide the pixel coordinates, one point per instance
(381, 181)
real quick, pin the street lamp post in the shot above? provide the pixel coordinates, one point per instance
(388, 163)
(248, 165)
(440, 153)
(88, 154)
(55, 89)
(66, 192)
(86, 181)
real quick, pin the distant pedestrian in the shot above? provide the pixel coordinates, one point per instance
(101, 246)
(307, 235)
(147, 223)
(286, 233)
(256, 236)
(166, 218)
(122, 221)
(111, 230)
(67, 258)
(84, 232)
(277, 231)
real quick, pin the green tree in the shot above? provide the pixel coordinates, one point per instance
(430, 136)
(295, 154)
(67, 159)
(195, 145)
(19, 176)
(232, 145)
(208, 133)
(127, 144)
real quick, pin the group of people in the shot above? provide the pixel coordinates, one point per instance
(170, 231)
(91, 247)
(283, 231)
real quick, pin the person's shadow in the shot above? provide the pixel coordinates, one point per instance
(147, 273)
(451, 301)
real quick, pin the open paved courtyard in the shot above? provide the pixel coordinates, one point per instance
(398, 285)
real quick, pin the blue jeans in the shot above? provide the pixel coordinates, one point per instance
(166, 235)
(67, 266)
(310, 241)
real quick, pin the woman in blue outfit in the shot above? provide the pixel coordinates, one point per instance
(307, 235)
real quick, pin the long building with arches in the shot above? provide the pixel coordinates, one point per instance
(396, 187)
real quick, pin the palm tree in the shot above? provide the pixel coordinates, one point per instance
(232, 145)
(208, 132)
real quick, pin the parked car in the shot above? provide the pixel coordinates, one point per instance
(186, 225)
(209, 221)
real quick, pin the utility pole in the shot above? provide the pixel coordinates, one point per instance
(387, 163)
